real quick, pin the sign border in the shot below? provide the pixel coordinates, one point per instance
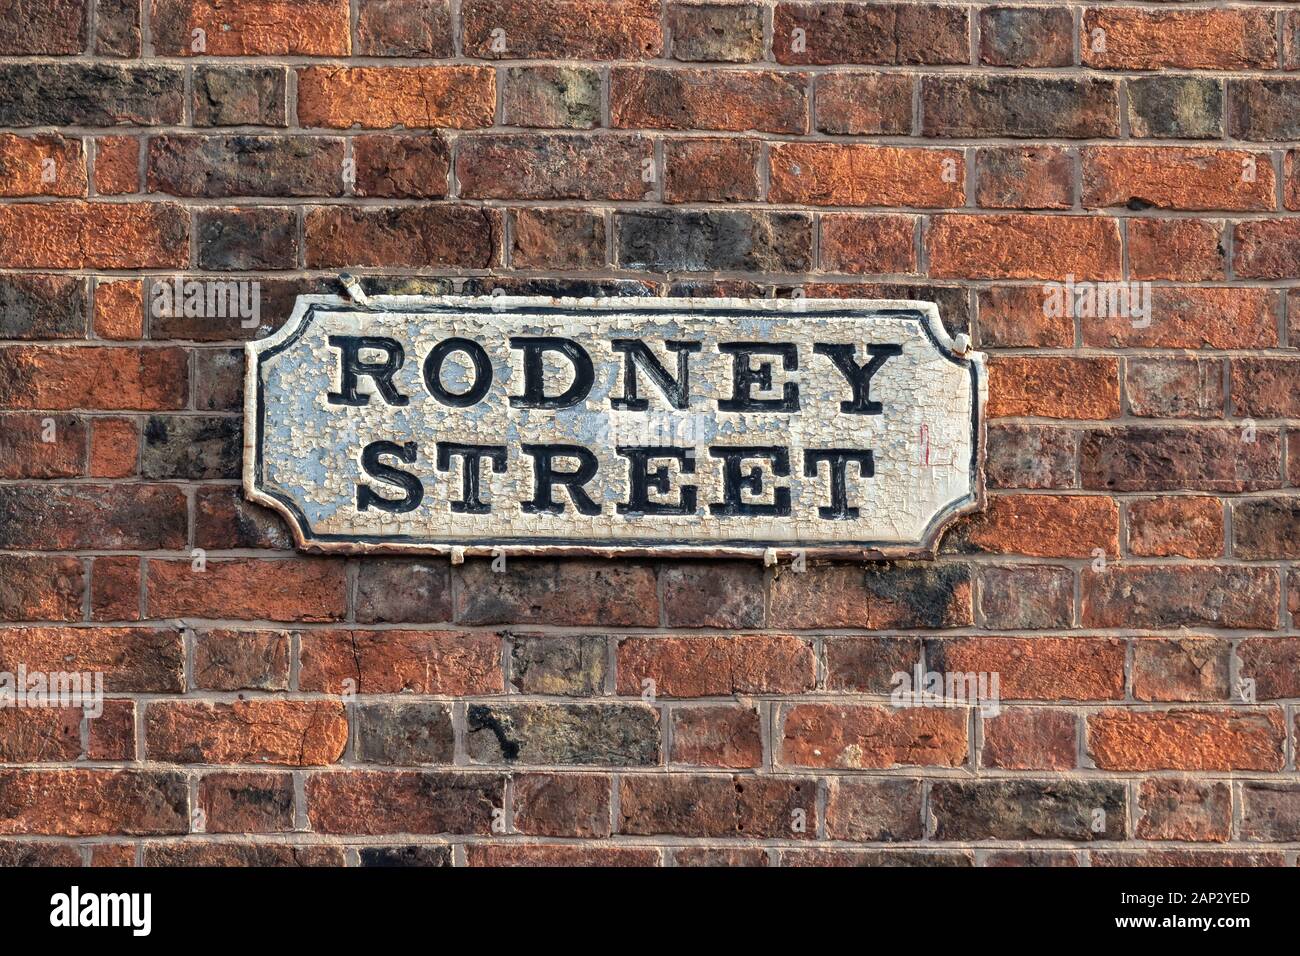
(307, 307)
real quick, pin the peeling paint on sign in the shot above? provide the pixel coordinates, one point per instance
(474, 425)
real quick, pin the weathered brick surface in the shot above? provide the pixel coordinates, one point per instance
(1128, 577)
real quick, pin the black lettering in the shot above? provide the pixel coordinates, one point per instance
(370, 455)
(482, 372)
(838, 458)
(545, 477)
(534, 376)
(381, 373)
(734, 482)
(641, 481)
(638, 354)
(470, 455)
(744, 377)
(859, 376)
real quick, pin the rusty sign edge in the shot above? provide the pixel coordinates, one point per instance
(931, 322)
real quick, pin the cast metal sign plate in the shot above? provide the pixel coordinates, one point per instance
(614, 426)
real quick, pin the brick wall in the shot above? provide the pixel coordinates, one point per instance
(1130, 581)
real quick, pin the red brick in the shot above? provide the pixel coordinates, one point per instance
(1202, 858)
(291, 732)
(1273, 663)
(563, 29)
(562, 804)
(1174, 387)
(863, 103)
(711, 170)
(1265, 387)
(26, 453)
(1188, 317)
(873, 809)
(46, 165)
(20, 853)
(1024, 177)
(115, 589)
(1269, 812)
(415, 236)
(132, 659)
(1047, 387)
(574, 593)
(119, 310)
(1177, 177)
(1005, 858)
(871, 33)
(557, 239)
(721, 736)
(740, 806)
(1183, 250)
(404, 28)
(868, 244)
(1192, 458)
(306, 589)
(111, 735)
(114, 447)
(1030, 738)
(875, 597)
(552, 166)
(561, 854)
(725, 594)
(417, 97)
(902, 856)
(251, 27)
(1267, 528)
(1012, 316)
(373, 802)
(1026, 596)
(65, 377)
(720, 856)
(241, 660)
(1175, 527)
(1183, 668)
(1019, 105)
(246, 802)
(869, 737)
(401, 166)
(1191, 39)
(93, 802)
(112, 854)
(397, 661)
(859, 174)
(1186, 810)
(715, 666)
(725, 32)
(81, 235)
(1266, 249)
(1041, 526)
(703, 99)
(117, 165)
(1187, 739)
(1037, 668)
(1026, 36)
(1023, 247)
(40, 588)
(50, 517)
(1172, 595)
(43, 27)
(40, 735)
(230, 854)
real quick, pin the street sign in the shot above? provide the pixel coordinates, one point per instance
(522, 425)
